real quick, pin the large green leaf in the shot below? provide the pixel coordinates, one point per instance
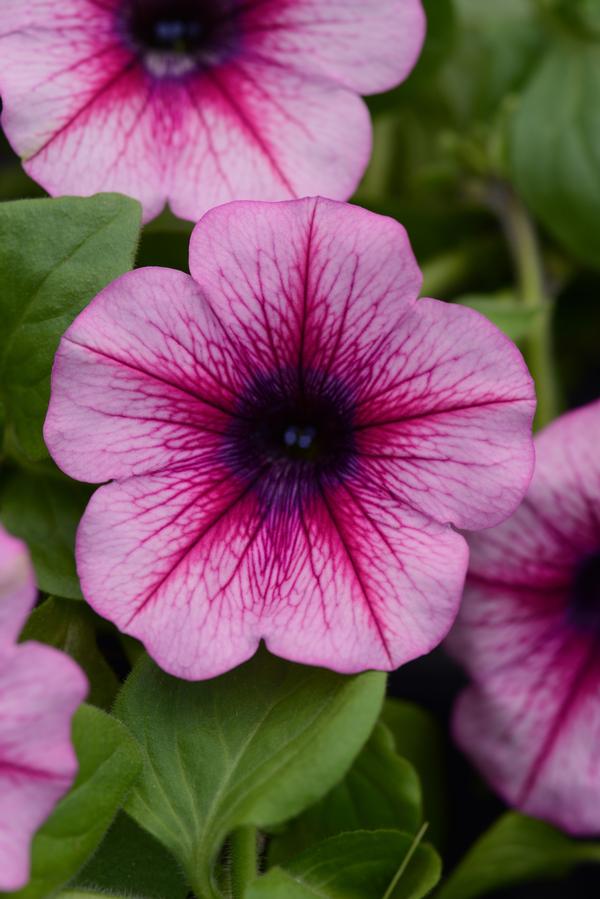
(360, 865)
(131, 861)
(69, 626)
(497, 45)
(419, 739)
(109, 762)
(555, 146)
(381, 791)
(55, 255)
(42, 507)
(515, 850)
(254, 746)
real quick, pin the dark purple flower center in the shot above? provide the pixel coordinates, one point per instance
(584, 607)
(176, 36)
(299, 434)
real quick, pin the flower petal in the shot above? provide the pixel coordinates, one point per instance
(310, 284)
(40, 689)
(76, 106)
(200, 570)
(255, 131)
(368, 47)
(445, 421)
(531, 722)
(141, 380)
(17, 587)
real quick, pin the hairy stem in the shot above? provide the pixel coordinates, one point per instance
(243, 848)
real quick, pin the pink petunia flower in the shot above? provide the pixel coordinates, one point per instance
(40, 689)
(197, 102)
(529, 634)
(290, 435)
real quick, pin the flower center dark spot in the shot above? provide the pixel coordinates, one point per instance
(178, 36)
(584, 607)
(299, 435)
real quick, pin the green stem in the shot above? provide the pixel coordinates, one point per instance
(539, 348)
(242, 845)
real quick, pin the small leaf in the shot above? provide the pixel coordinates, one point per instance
(360, 865)
(43, 508)
(555, 146)
(109, 762)
(254, 746)
(515, 850)
(505, 311)
(381, 791)
(55, 256)
(419, 739)
(131, 861)
(69, 626)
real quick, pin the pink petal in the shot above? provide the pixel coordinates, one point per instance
(140, 380)
(368, 47)
(75, 106)
(531, 722)
(276, 121)
(193, 565)
(40, 690)
(258, 131)
(310, 282)
(445, 423)
(17, 587)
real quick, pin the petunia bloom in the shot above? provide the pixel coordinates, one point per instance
(290, 437)
(529, 634)
(197, 102)
(40, 689)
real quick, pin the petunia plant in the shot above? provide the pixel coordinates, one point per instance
(294, 603)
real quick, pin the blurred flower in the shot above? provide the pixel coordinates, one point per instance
(290, 433)
(197, 102)
(40, 689)
(529, 635)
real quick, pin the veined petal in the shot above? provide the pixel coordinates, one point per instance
(312, 284)
(144, 376)
(368, 47)
(256, 131)
(445, 421)
(40, 690)
(528, 635)
(196, 566)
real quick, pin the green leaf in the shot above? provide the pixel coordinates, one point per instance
(55, 256)
(505, 311)
(43, 507)
(361, 865)
(515, 850)
(109, 762)
(69, 626)
(555, 146)
(419, 739)
(500, 42)
(254, 746)
(131, 861)
(381, 791)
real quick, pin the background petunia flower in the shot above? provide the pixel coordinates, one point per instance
(529, 635)
(291, 437)
(40, 689)
(197, 102)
